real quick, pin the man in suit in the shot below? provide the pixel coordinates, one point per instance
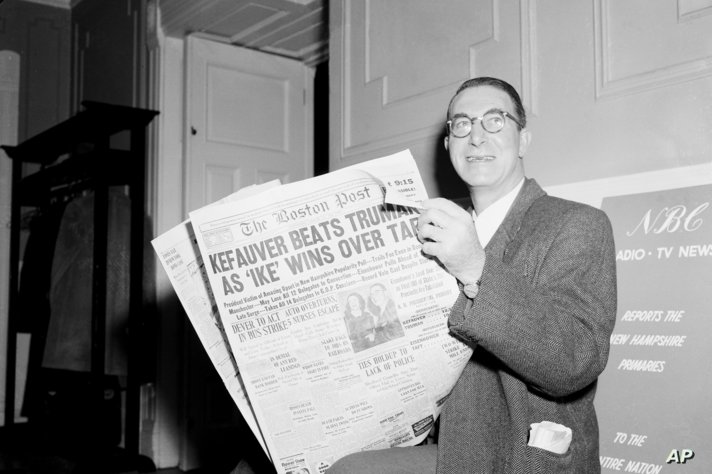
(537, 305)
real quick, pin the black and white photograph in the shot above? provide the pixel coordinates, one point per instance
(355, 236)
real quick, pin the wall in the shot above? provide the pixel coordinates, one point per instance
(611, 87)
(167, 181)
(619, 96)
(623, 87)
(40, 34)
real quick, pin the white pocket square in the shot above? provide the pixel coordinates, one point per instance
(550, 436)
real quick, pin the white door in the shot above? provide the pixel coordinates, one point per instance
(249, 119)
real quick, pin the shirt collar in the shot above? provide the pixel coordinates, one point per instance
(488, 221)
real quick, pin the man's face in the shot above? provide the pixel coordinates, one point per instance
(487, 162)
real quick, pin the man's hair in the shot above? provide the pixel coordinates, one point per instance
(498, 84)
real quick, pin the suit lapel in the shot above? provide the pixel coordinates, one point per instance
(530, 192)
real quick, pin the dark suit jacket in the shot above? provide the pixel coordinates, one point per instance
(540, 328)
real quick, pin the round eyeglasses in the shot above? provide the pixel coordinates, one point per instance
(492, 122)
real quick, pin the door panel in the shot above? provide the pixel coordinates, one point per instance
(248, 118)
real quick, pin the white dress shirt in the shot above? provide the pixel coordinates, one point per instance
(489, 220)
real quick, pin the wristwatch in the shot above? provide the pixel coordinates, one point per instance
(471, 289)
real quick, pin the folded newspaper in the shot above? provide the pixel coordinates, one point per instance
(323, 318)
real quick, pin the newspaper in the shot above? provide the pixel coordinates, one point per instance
(336, 320)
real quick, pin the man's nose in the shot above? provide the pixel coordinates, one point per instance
(478, 135)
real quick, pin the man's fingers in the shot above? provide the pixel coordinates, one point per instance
(436, 217)
(430, 232)
(431, 248)
(444, 205)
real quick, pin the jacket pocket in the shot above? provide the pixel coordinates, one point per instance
(543, 461)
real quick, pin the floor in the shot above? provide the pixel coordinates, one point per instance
(27, 452)
(71, 447)
(12, 464)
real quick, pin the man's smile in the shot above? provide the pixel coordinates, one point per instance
(479, 158)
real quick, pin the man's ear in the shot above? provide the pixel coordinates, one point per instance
(525, 138)
(446, 142)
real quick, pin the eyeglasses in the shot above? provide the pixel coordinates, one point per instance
(492, 122)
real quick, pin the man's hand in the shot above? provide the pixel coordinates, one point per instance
(448, 233)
